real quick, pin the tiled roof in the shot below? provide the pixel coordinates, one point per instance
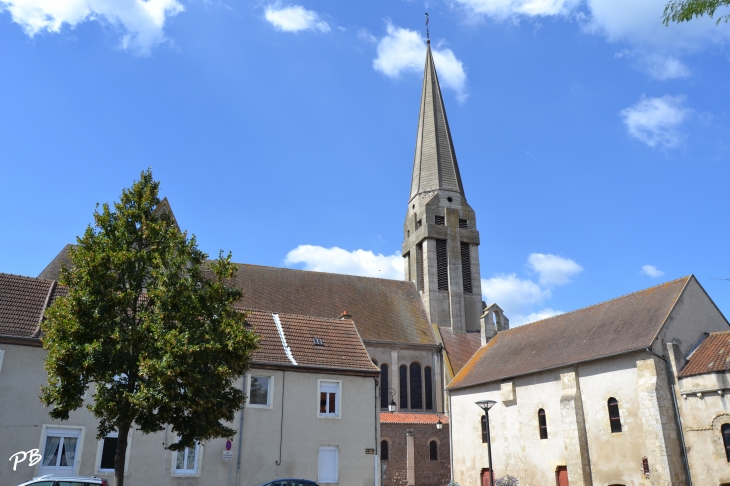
(22, 304)
(617, 326)
(383, 310)
(711, 356)
(341, 349)
(412, 418)
(53, 269)
(459, 346)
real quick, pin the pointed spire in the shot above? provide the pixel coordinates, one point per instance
(434, 165)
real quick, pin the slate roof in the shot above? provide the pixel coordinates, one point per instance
(53, 269)
(459, 346)
(23, 301)
(382, 309)
(412, 418)
(711, 356)
(341, 349)
(617, 326)
(434, 164)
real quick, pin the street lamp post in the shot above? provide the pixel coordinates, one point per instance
(486, 405)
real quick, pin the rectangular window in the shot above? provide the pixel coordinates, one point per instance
(466, 267)
(186, 461)
(60, 452)
(259, 391)
(463, 224)
(439, 220)
(328, 399)
(327, 467)
(419, 262)
(442, 264)
(108, 452)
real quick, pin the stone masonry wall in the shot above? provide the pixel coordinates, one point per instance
(427, 472)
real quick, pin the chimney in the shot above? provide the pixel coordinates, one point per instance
(345, 315)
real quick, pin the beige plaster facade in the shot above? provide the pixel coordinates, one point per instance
(279, 440)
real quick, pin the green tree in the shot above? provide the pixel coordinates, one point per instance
(685, 10)
(150, 322)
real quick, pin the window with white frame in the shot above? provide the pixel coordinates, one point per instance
(60, 451)
(260, 391)
(108, 452)
(186, 462)
(328, 464)
(329, 395)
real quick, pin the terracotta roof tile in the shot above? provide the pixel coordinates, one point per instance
(22, 304)
(383, 310)
(617, 326)
(460, 346)
(711, 356)
(341, 349)
(412, 418)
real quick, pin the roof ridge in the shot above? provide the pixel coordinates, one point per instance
(318, 318)
(326, 273)
(3, 274)
(523, 326)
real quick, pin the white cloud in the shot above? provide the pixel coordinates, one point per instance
(513, 293)
(337, 260)
(294, 18)
(538, 316)
(658, 66)
(404, 51)
(140, 21)
(552, 269)
(503, 9)
(654, 121)
(651, 271)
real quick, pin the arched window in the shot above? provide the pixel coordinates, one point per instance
(384, 391)
(416, 395)
(725, 429)
(543, 423)
(403, 375)
(428, 387)
(433, 451)
(485, 434)
(383, 450)
(613, 414)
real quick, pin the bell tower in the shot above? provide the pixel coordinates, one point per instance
(441, 241)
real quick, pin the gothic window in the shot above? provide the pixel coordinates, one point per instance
(463, 224)
(442, 263)
(384, 393)
(466, 267)
(725, 430)
(403, 378)
(383, 450)
(433, 451)
(428, 387)
(543, 423)
(614, 416)
(419, 262)
(439, 220)
(416, 395)
(485, 434)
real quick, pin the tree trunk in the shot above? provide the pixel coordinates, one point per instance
(121, 454)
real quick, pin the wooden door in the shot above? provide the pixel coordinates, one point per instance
(486, 477)
(561, 476)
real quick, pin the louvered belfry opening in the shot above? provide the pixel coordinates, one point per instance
(466, 267)
(440, 220)
(463, 224)
(442, 265)
(419, 262)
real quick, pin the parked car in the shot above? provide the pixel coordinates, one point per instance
(66, 481)
(290, 482)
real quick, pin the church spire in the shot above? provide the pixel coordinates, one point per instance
(434, 165)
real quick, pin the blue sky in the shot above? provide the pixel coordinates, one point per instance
(592, 140)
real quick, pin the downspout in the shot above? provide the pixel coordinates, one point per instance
(240, 432)
(451, 437)
(670, 375)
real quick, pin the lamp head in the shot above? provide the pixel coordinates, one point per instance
(486, 404)
(439, 425)
(392, 406)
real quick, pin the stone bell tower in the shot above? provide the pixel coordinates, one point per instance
(441, 241)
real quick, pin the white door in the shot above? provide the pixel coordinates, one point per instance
(60, 452)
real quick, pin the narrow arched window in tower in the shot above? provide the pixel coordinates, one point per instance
(416, 395)
(403, 379)
(725, 429)
(442, 265)
(384, 450)
(543, 423)
(466, 267)
(433, 451)
(384, 389)
(428, 387)
(614, 416)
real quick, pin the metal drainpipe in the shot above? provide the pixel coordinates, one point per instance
(670, 375)
(451, 438)
(240, 433)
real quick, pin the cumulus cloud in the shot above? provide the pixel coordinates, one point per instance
(651, 271)
(654, 121)
(552, 269)
(336, 260)
(141, 22)
(503, 9)
(403, 51)
(293, 18)
(658, 66)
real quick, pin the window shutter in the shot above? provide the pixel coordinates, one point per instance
(327, 464)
